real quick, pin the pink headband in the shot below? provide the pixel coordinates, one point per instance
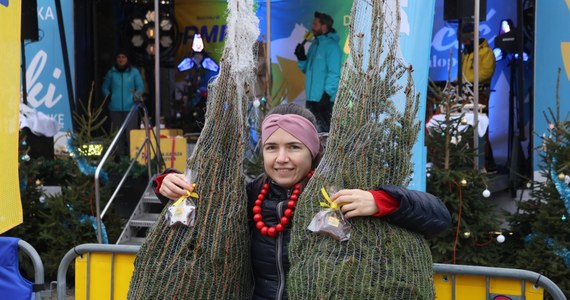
(297, 126)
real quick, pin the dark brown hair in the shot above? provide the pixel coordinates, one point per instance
(325, 20)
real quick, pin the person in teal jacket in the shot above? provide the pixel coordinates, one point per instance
(122, 86)
(321, 66)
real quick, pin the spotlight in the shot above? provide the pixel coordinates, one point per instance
(506, 41)
(137, 40)
(166, 41)
(150, 16)
(165, 24)
(209, 64)
(186, 64)
(141, 30)
(150, 49)
(197, 43)
(137, 24)
(150, 32)
(506, 26)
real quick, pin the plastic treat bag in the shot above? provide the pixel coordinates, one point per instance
(330, 221)
(183, 211)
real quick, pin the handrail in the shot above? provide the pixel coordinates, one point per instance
(531, 276)
(139, 105)
(120, 185)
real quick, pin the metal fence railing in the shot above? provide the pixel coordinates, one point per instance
(114, 284)
(87, 250)
(38, 284)
(30, 252)
(489, 272)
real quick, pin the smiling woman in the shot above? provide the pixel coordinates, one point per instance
(286, 159)
(290, 144)
(291, 151)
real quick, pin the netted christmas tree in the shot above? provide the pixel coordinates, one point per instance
(370, 144)
(541, 223)
(211, 259)
(453, 177)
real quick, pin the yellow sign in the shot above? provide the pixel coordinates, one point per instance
(173, 147)
(10, 203)
(206, 18)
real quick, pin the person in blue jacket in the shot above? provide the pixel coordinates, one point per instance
(321, 66)
(122, 86)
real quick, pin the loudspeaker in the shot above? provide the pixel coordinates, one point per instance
(30, 20)
(464, 10)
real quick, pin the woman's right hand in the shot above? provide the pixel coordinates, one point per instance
(174, 186)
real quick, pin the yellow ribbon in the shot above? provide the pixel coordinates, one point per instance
(188, 194)
(330, 203)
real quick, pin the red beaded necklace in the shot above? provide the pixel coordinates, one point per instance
(272, 231)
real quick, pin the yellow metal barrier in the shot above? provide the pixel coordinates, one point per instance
(103, 275)
(470, 287)
(104, 272)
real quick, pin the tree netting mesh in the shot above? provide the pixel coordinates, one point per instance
(370, 143)
(211, 259)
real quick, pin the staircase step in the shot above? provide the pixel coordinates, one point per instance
(133, 241)
(150, 198)
(144, 220)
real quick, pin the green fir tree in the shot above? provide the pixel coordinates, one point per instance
(452, 177)
(55, 223)
(541, 223)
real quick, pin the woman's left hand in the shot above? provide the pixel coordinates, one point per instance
(355, 203)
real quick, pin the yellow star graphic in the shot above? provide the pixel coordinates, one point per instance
(293, 78)
(565, 49)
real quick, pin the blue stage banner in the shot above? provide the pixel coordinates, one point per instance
(415, 32)
(292, 19)
(444, 40)
(552, 52)
(45, 73)
(444, 37)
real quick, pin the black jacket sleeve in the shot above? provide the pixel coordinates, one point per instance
(160, 197)
(419, 212)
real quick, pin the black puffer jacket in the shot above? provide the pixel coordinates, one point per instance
(418, 211)
(269, 255)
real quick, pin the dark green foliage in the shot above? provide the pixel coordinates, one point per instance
(253, 162)
(55, 223)
(460, 187)
(52, 223)
(542, 234)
